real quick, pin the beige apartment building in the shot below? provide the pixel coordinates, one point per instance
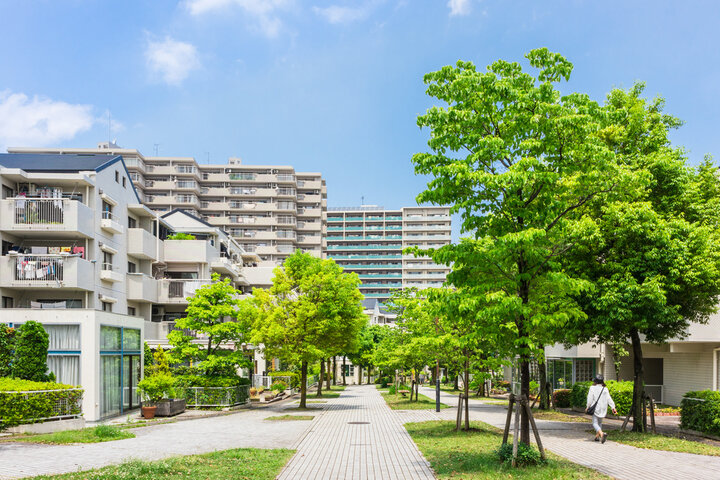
(83, 256)
(271, 210)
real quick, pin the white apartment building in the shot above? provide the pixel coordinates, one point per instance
(83, 256)
(370, 240)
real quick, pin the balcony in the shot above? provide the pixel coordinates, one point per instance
(142, 288)
(176, 291)
(57, 218)
(364, 247)
(110, 224)
(143, 244)
(46, 271)
(110, 273)
(189, 251)
(225, 265)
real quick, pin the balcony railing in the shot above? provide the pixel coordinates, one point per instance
(39, 268)
(39, 211)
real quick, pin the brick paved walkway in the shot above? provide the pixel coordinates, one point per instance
(243, 429)
(336, 449)
(574, 442)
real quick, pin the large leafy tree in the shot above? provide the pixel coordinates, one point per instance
(653, 255)
(369, 338)
(216, 313)
(31, 349)
(520, 163)
(312, 310)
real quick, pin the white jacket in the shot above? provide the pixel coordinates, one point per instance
(602, 404)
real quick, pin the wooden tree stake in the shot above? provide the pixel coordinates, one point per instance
(534, 428)
(506, 432)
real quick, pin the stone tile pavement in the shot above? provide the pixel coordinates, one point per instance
(574, 442)
(377, 447)
(243, 429)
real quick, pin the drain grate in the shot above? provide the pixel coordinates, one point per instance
(358, 423)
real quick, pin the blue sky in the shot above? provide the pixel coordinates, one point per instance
(324, 86)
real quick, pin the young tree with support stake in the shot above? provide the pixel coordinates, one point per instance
(520, 164)
(652, 256)
(312, 309)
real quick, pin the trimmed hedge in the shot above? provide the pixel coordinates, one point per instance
(294, 377)
(621, 393)
(700, 410)
(30, 407)
(561, 398)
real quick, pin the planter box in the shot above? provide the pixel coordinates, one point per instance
(169, 408)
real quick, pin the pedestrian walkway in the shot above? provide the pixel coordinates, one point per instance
(358, 437)
(243, 429)
(574, 442)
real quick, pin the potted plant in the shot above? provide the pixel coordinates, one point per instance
(154, 389)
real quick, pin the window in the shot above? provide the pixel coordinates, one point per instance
(106, 306)
(132, 223)
(124, 184)
(107, 261)
(64, 352)
(117, 176)
(132, 268)
(131, 311)
(7, 302)
(106, 210)
(349, 370)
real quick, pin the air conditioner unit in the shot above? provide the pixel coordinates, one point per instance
(100, 191)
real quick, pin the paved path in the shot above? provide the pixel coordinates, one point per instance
(336, 449)
(243, 429)
(574, 442)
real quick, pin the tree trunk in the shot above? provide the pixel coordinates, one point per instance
(543, 392)
(343, 371)
(360, 372)
(456, 386)
(334, 382)
(466, 389)
(524, 391)
(639, 382)
(320, 378)
(303, 384)
(327, 376)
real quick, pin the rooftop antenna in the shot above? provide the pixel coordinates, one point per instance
(362, 200)
(156, 146)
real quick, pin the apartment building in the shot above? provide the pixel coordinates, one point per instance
(370, 240)
(83, 256)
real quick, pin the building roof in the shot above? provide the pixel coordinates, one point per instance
(50, 162)
(197, 219)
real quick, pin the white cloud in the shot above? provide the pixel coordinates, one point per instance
(459, 7)
(337, 14)
(40, 121)
(172, 60)
(265, 12)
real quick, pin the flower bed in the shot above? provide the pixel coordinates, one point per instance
(24, 401)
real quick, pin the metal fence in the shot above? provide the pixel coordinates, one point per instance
(266, 380)
(39, 211)
(39, 268)
(57, 404)
(215, 396)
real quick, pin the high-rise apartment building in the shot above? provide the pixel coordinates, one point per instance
(270, 210)
(370, 240)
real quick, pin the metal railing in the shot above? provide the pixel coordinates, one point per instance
(39, 211)
(266, 380)
(61, 406)
(215, 396)
(39, 268)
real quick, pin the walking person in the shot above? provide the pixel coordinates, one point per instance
(598, 401)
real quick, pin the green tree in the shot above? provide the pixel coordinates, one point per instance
(312, 310)
(7, 345)
(520, 164)
(369, 338)
(215, 312)
(653, 255)
(31, 349)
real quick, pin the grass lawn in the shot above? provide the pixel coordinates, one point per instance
(101, 433)
(398, 402)
(662, 442)
(333, 393)
(284, 418)
(471, 455)
(557, 416)
(241, 463)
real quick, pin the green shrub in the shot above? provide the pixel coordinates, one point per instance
(7, 345)
(31, 348)
(392, 389)
(157, 387)
(534, 387)
(18, 408)
(527, 454)
(181, 236)
(503, 384)
(294, 377)
(278, 386)
(561, 398)
(700, 410)
(621, 393)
